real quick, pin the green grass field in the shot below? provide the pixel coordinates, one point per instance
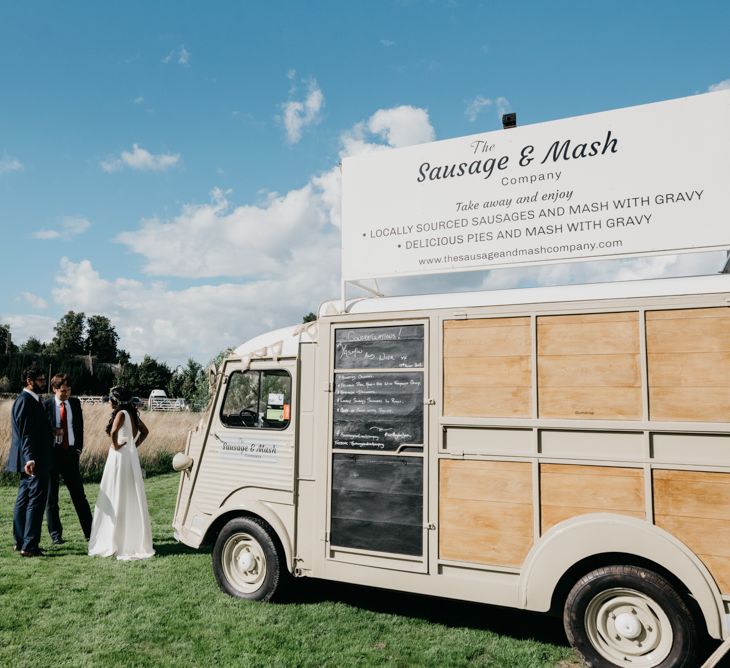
(68, 609)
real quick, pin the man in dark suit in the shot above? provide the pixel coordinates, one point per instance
(64, 414)
(30, 455)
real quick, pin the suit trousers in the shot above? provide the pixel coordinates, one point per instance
(66, 466)
(28, 511)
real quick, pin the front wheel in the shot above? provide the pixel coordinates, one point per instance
(246, 563)
(630, 616)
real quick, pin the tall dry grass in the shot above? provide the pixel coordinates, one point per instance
(168, 435)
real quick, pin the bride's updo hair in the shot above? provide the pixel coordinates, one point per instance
(121, 400)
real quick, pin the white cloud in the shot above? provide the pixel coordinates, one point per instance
(218, 239)
(71, 226)
(480, 104)
(74, 225)
(297, 115)
(34, 300)
(81, 285)
(475, 107)
(139, 99)
(179, 55)
(329, 189)
(503, 106)
(278, 234)
(197, 322)
(10, 164)
(142, 160)
(398, 126)
(402, 126)
(22, 327)
(387, 43)
(47, 235)
(722, 85)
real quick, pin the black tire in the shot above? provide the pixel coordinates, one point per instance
(626, 611)
(246, 561)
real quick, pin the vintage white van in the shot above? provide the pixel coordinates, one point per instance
(560, 449)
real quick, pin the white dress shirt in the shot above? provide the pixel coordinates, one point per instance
(69, 420)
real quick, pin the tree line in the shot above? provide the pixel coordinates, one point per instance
(86, 348)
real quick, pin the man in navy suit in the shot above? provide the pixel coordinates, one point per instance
(64, 413)
(30, 455)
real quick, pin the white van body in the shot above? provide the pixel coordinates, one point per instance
(559, 449)
(156, 399)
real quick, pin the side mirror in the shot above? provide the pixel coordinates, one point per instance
(181, 462)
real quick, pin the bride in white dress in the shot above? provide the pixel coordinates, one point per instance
(121, 525)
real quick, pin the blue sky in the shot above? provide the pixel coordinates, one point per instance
(173, 165)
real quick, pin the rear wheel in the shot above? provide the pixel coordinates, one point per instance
(246, 563)
(630, 616)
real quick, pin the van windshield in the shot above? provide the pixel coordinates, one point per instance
(257, 399)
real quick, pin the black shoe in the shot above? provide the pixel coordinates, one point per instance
(32, 553)
(16, 547)
(58, 541)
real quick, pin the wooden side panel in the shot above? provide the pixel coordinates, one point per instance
(487, 367)
(567, 490)
(588, 366)
(485, 511)
(599, 333)
(689, 364)
(695, 507)
(487, 401)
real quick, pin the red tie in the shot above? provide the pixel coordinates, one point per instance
(64, 426)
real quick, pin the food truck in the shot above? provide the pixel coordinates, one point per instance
(558, 449)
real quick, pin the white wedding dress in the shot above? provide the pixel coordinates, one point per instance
(121, 525)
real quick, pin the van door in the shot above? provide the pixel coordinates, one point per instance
(250, 444)
(378, 433)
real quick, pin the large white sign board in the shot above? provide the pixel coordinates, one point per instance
(635, 181)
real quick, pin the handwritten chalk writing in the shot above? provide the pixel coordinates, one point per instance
(399, 347)
(385, 407)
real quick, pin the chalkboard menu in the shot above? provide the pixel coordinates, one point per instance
(378, 411)
(399, 347)
(377, 503)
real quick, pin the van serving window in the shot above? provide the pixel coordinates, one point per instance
(257, 399)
